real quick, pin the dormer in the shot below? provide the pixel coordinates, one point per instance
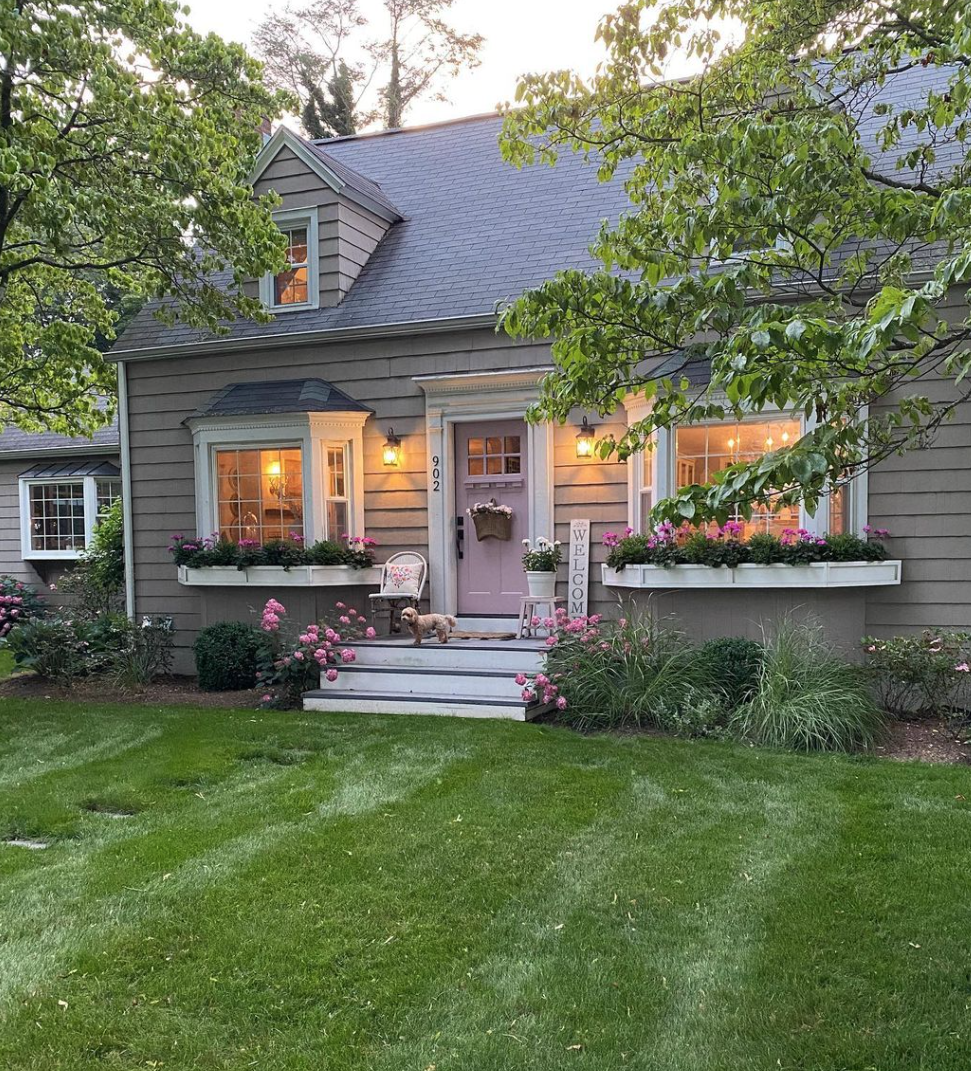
(332, 216)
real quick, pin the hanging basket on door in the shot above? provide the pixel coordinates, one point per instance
(491, 520)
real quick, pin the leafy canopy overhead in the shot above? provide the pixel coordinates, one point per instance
(125, 144)
(800, 220)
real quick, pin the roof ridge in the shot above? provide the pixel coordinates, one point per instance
(360, 135)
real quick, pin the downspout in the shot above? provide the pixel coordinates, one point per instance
(126, 497)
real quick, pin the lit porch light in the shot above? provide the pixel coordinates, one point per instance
(391, 452)
(586, 438)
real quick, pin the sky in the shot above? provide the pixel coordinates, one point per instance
(521, 36)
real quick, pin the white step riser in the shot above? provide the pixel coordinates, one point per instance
(451, 656)
(412, 706)
(415, 682)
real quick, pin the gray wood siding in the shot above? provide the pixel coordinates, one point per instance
(360, 232)
(377, 372)
(924, 499)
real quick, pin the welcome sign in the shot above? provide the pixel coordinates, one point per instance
(579, 575)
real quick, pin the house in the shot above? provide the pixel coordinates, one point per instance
(51, 490)
(384, 346)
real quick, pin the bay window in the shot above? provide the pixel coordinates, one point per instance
(695, 453)
(277, 476)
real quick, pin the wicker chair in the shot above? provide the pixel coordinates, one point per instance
(403, 579)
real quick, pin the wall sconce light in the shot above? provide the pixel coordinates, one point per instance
(586, 438)
(391, 452)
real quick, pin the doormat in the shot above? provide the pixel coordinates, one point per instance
(460, 634)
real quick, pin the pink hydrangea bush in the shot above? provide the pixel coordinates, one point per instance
(19, 603)
(627, 671)
(292, 661)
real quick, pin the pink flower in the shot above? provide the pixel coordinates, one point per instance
(521, 679)
(340, 605)
(542, 680)
(305, 637)
(561, 703)
(347, 655)
(266, 699)
(962, 667)
(370, 633)
(528, 696)
(331, 675)
(534, 621)
(345, 620)
(551, 641)
(320, 655)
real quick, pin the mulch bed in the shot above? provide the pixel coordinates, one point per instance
(926, 741)
(168, 692)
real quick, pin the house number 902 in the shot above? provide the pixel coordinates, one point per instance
(436, 473)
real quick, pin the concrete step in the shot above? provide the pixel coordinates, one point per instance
(513, 656)
(420, 680)
(341, 701)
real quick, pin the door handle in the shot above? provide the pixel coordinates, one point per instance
(459, 536)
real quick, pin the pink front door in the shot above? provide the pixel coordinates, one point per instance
(491, 463)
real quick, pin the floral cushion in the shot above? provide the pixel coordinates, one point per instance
(401, 580)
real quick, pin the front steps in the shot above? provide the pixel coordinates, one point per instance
(463, 678)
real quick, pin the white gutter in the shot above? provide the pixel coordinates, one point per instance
(304, 338)
(126, 502)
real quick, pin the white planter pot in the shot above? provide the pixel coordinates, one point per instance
(542, 585)
(275, 576)
(816, 575)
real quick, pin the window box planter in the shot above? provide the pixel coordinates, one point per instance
(275, 576)
(816, 575)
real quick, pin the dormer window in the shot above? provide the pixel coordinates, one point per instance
(290, 286)
(296, 286)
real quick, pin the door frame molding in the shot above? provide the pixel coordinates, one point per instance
(460, 398)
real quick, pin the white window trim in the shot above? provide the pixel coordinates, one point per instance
(656, 472)
(312, 433)
(297, 217)
(90, 492)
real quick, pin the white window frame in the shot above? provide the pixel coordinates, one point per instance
(311, 433)
(297, 217)
(90, 495)
(655, 474)
(348, 495)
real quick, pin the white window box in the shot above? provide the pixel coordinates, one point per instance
(275, 576)
(816, 575)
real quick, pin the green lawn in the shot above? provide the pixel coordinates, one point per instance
(338, 892)
(6, 663)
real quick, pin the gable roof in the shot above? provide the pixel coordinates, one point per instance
(280, 396)
(475, 231)
(341, 178)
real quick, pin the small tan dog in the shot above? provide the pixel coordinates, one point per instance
(418, 624)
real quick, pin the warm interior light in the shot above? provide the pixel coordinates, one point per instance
(731, 444)
(391, 453)
(785, 437)
(768, 443)
(273, 469)
(586, 437)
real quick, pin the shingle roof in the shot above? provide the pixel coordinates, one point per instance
(14, 440)
(280, 396)
(476, 231)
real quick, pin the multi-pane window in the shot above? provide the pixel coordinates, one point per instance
(59, 515)
(57, 518)
(292, 285)
(336, 497)
(705, 449)
(259, 493)
(106, 491)
(495, 455)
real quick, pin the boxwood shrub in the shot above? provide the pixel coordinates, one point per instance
(226, 656)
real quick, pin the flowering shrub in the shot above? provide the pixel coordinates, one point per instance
(204, 552)
(543, 557)
(669, 545)
(618, 673)
(290, 664)
(19, 603)
(61, 646)
(920, 676)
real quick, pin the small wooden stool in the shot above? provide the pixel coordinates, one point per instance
(529, 608)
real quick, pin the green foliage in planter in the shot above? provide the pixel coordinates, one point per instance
(202, 553)
(326, 552)
(732, 665)
(920, 676)
(226, 656)
(701, 548)
(808, 698)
